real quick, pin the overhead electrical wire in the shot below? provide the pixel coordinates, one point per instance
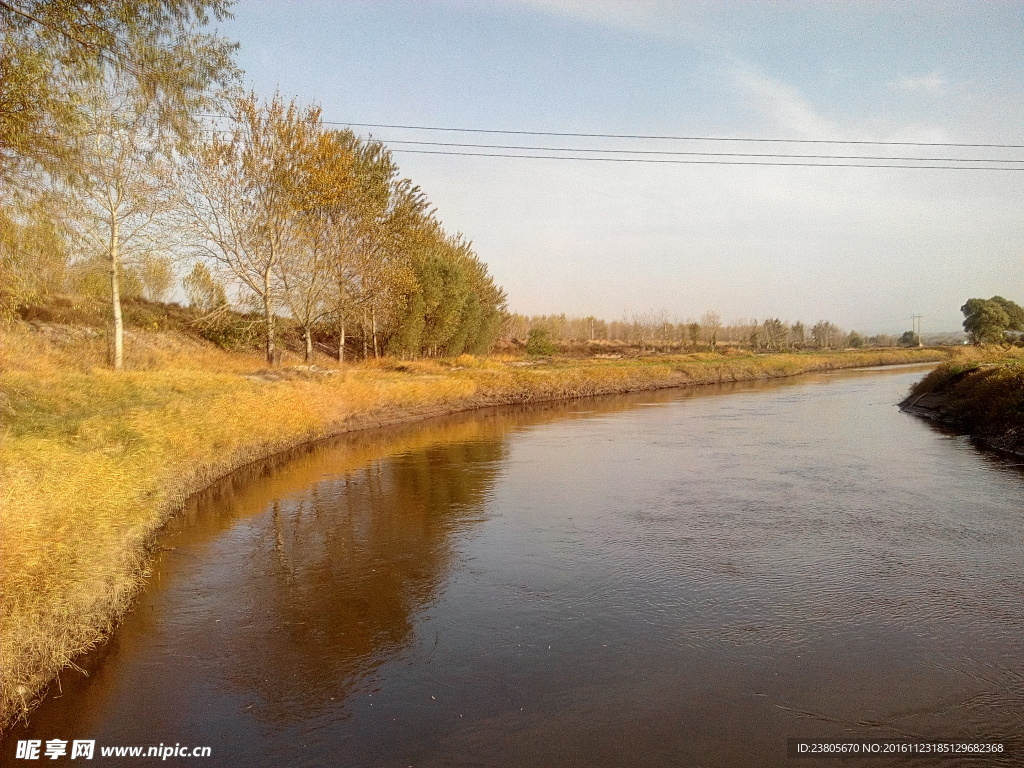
(124, 60)
(708, 162)
(679, 138)
(697, 157)
(666, 137)
(704, 154)
(887, 162)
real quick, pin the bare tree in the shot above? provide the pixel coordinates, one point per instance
(825, 334)
(711, 326)
(121, 190)
(240, 199)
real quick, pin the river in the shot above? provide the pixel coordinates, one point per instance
(679, 578)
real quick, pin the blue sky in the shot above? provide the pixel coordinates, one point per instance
(865, 248)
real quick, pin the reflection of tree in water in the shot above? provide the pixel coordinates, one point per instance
(345, 566)
(253, 612)
(340, 563)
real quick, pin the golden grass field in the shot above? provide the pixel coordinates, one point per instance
(93, 462)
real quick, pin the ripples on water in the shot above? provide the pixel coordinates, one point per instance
(594, 583)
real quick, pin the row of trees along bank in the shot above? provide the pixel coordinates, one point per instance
(658, 330)
(112, 177)
(318, 223)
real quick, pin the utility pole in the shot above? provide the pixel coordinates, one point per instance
(916, 325)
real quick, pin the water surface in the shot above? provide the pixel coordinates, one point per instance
(681, 578)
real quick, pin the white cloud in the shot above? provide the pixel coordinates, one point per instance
(783, 106)
(785, 111)
(934, 84)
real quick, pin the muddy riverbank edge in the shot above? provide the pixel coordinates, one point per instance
(42, 639)
(982, 398)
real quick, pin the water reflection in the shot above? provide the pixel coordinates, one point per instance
(673, 578)
(290, 582)
(334, 579)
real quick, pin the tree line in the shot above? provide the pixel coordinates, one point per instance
(112, 181)
(659, 329)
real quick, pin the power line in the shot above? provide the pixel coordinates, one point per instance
(688, 153)
(677, 138)
(704, 154)
(708, 162)
(903, 162)
(667, 138)
(898, 162)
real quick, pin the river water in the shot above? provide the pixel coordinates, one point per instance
(680, 578)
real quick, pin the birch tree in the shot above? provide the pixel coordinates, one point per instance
(711, 326)
(352, 199)
(316, 280)
(373, 238)
(385, 261)
(121, 191)
(240, 197)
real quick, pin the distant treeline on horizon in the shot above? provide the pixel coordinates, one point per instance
(657, 328)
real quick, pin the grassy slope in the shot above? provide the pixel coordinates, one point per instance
(980, 390)
(92, 462)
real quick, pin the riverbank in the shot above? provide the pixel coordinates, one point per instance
(93, 463)
(979, 391)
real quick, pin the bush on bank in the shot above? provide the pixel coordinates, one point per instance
(981, 390)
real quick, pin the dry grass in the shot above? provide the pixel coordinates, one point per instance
(964, 360)
(980, 389)
(92, 463)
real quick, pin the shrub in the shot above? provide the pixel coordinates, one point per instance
(539, 343)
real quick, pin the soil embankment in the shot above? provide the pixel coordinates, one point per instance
(93, 462)
(978, 391)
